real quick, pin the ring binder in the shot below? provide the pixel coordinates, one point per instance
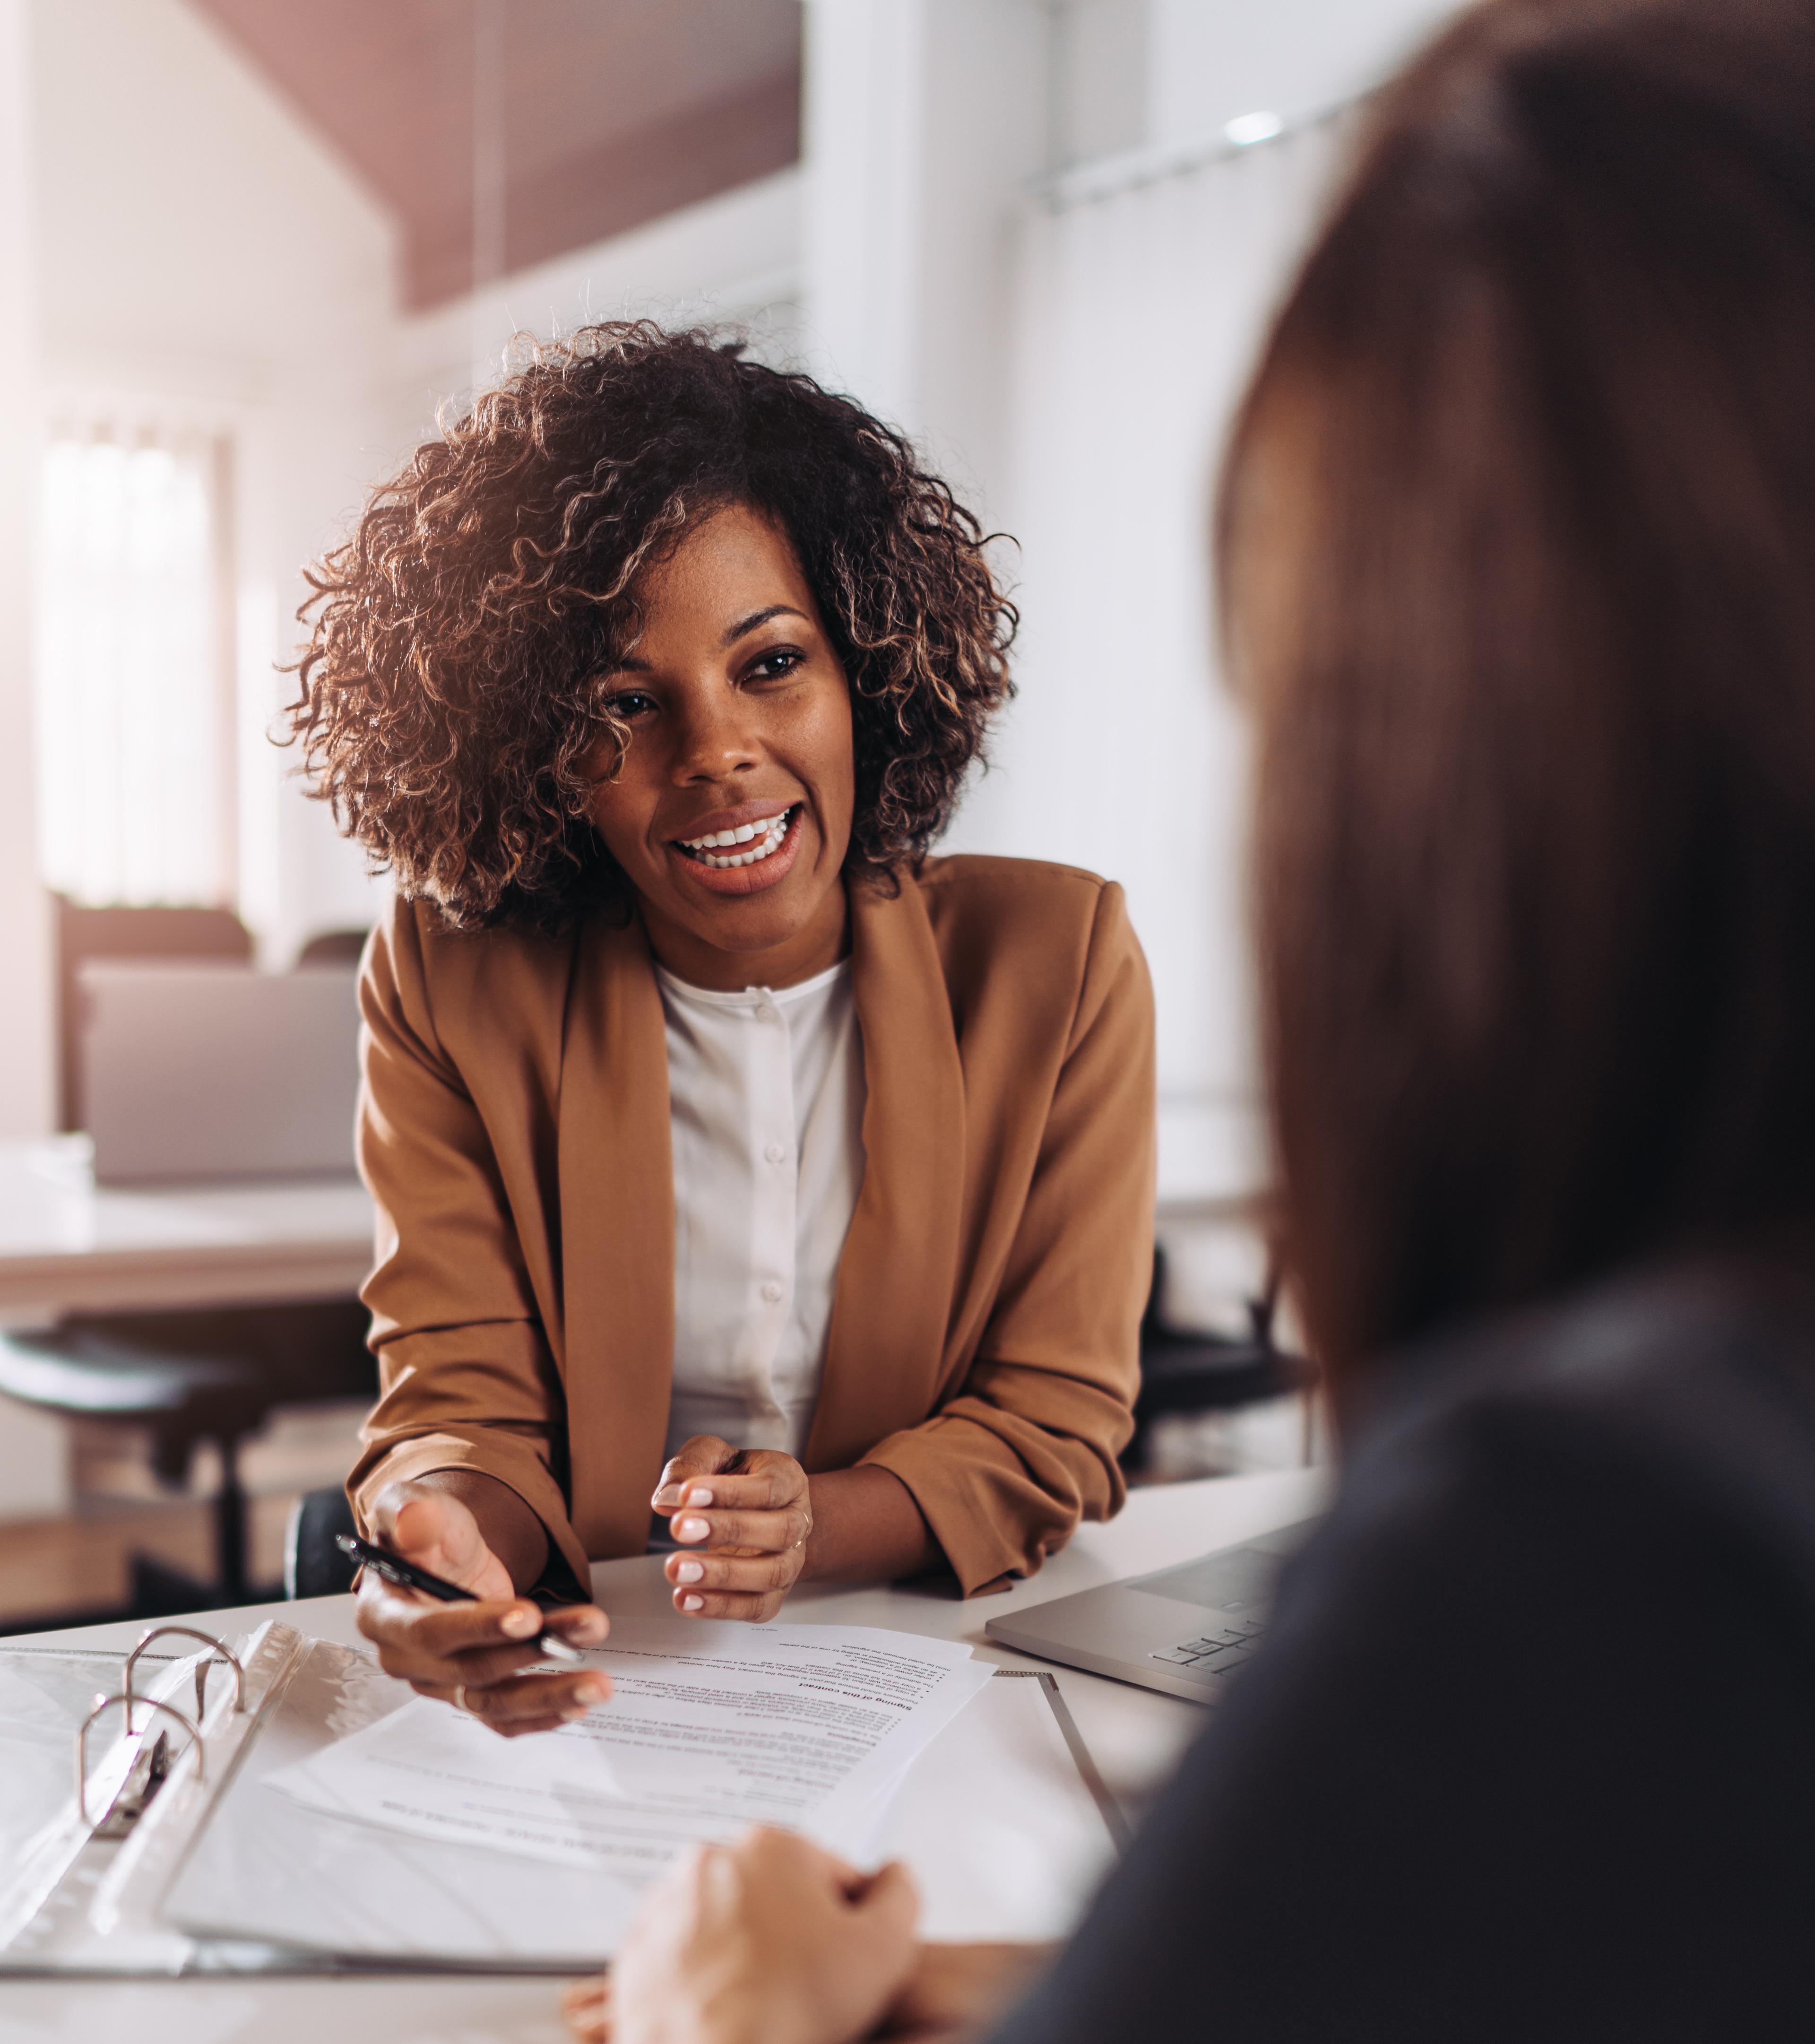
(153, 1776)
(221, 1653)
(150, 1768)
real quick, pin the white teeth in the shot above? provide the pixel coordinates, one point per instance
(768, 834)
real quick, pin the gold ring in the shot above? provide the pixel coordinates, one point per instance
(459, 1695)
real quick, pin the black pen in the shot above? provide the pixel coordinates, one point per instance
(394, 1568)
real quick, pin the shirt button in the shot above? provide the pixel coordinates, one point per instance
(771, 1292)
(776, 1153)
(765, 1013)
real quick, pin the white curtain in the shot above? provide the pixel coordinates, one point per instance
(133, 717)
(1140, 313)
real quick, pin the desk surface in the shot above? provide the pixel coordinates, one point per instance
(69, 1246)
(1136, 1736)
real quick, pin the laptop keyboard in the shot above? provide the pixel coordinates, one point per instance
(1217, 1652)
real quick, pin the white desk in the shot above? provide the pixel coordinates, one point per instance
(1135, 1735)
(69, 1246)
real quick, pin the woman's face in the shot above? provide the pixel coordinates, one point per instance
(731, 812)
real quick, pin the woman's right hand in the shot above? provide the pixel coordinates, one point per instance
(471, 1655)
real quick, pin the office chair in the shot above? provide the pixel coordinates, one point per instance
(313, 1566)
(215, 1375)
(1187, 1372)
(333, 947)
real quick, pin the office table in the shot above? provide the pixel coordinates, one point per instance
(69, 1246)
(1136, 1735)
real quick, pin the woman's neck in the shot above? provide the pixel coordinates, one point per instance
(802, 954)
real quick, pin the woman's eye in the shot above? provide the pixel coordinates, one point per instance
(631, 704)
(771, 666)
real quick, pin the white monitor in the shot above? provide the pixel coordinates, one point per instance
(216, 1071)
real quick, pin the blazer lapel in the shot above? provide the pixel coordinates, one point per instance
(893, 1301)
(617, 1228)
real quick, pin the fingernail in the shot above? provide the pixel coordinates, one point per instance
(691, 1529)
(693, 1604)
(519, 1622)
(699, 1496)
(594, 1692)
(669, 1493)
(689, 1571)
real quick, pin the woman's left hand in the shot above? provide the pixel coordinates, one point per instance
(742, 1517)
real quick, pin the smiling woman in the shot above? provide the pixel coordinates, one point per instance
(736, 1161)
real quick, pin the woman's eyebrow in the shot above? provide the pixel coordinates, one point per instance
(756, 617)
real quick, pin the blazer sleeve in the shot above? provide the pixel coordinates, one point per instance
(1027, 1447)
(465, 1377)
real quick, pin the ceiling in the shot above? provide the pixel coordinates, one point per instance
(609, 111)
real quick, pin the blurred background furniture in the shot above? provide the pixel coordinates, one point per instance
(333, 947)
(313, 1565)
(188, 1377)
(67, 1246)
(215, 936)
(1189, 1373)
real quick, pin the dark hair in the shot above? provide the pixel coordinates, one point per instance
(1519, 525)
(451, 688)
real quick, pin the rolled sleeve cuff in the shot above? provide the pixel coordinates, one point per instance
(513, 1463)
(990, 1521)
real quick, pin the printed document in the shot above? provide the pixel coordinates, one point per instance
(711, 1727)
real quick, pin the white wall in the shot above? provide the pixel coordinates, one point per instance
(1065, 343)
(25, 1066)
(202, 254)
(1209, 61)
(732, 260)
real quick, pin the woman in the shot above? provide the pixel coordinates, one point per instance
(733, 1159)
(1517, 534)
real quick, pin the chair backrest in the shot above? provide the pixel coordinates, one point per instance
(85, 933)
(334, 947)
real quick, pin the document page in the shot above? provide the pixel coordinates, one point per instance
(711, 1727)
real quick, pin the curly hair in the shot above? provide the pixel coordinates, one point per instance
(451, 692)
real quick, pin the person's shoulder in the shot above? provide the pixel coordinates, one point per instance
(417, 956)
(1693, 1362)
(1670, 1406)
(978, 897)
(986, 874)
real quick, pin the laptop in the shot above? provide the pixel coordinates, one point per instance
(1184, 1630)
(195, 1072)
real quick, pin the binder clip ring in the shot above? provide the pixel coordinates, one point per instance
(106, 1703)
(221, 1652)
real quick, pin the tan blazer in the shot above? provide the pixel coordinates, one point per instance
(983, 1346)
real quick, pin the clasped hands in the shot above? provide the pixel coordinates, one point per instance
(741, 1518)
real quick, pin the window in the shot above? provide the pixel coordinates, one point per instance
(134, 719)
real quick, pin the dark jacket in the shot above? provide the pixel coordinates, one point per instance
(1529, 1751)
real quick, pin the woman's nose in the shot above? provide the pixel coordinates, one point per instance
(715, 736)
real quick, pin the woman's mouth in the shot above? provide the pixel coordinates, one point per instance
(748, 860)
(747, 845)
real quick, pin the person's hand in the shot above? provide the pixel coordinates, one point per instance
(956, 1991)
(953, 1992)
(745, 1514)
(771, 1941)
(471, 1654)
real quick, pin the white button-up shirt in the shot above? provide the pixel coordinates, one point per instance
(765, 1102)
